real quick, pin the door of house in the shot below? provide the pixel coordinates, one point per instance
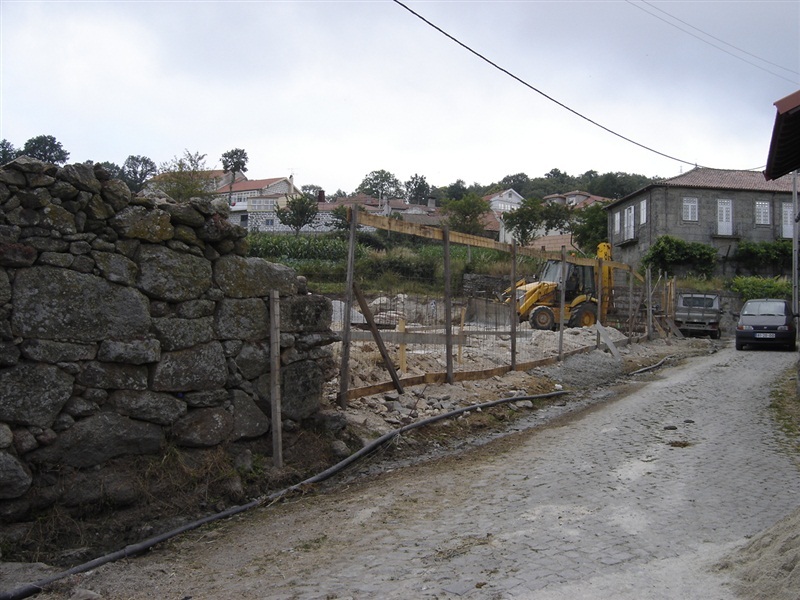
(629, 227)
(724, 217)
(787, 220)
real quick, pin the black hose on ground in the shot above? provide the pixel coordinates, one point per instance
(134, 549)
(651, 367)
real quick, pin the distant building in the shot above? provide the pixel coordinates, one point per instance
(717, 207)
(254, 202)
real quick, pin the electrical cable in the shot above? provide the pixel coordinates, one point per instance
(134, 549)
(540, 92)
(714, 38)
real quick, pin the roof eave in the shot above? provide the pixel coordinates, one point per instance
(784, 148)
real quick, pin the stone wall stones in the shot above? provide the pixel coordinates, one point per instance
(129, 324)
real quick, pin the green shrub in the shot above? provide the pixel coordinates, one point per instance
(754, 256)
(670, 253)
(760, 287)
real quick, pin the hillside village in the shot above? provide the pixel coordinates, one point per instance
(717, 207)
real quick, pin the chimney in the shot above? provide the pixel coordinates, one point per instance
(321, 196)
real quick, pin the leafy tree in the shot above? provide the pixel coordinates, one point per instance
(558, 176)
(520, 183)
(298, 212)
(185, 177)
(7, 152)
(589, 227)
(456, 191)
(617, 185)
(339, 220)
(534, 215)
(381, 184)
(311, 190)
(234, 161)
(113, 169)
(136, 171)
(45, 148)
(466, 214)
(418, 189)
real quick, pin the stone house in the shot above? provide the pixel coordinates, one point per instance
(717, 207)
(500, 203)
(254, 202)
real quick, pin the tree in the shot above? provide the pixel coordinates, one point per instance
(113, 169)
(418, 190)
(234, 161)
(465, 215)
(136, 171)
(185, 177)
(456, 191)
(617, 185)
(534, 215)
(45, 148)
(7, 152)
(520, 183)
(311, 190)
(589, 227)
(298, 212)
(381, 184)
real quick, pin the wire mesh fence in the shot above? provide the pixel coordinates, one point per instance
(430, 326)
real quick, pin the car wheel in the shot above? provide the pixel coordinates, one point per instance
(739, 345)
(715, 335)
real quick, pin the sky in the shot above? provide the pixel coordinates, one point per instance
(329, 91)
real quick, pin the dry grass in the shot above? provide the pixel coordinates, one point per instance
(786, 406)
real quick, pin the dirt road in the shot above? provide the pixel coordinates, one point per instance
(635, 498)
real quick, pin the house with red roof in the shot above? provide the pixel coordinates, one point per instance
(254, 202)
(717, 207)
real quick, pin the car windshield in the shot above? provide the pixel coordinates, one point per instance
(551, 272)
(764, 309)
(698, 302)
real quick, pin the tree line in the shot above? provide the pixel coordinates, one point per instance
(463, 206)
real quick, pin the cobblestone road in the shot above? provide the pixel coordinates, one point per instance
(633, 499)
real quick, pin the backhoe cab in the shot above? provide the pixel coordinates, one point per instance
(539, 302)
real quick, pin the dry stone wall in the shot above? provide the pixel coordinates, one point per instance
(131, 323)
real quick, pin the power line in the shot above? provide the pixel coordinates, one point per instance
(697, 37)
(540, 92)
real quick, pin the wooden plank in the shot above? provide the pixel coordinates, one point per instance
(362, 302)
(435, 233)
(441, 377)
(603, 335)
(344, 369)
(408, 337)
(448, 307)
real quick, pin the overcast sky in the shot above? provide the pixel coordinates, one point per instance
(331, 90)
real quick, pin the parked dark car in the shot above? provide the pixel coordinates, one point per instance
(766, 322)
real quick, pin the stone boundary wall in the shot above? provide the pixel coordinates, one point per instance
(129, 324)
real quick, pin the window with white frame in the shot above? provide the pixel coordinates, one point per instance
(642, 212)
(787, 220)
(261, 204)
(616, 222)
(629, 225)
(689, 209)
(762, 212)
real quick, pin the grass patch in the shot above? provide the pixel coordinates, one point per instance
(786, 406)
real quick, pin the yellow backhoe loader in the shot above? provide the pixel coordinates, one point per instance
(539, 302)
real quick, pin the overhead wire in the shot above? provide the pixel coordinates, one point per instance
(705, 41)
(540, 92)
